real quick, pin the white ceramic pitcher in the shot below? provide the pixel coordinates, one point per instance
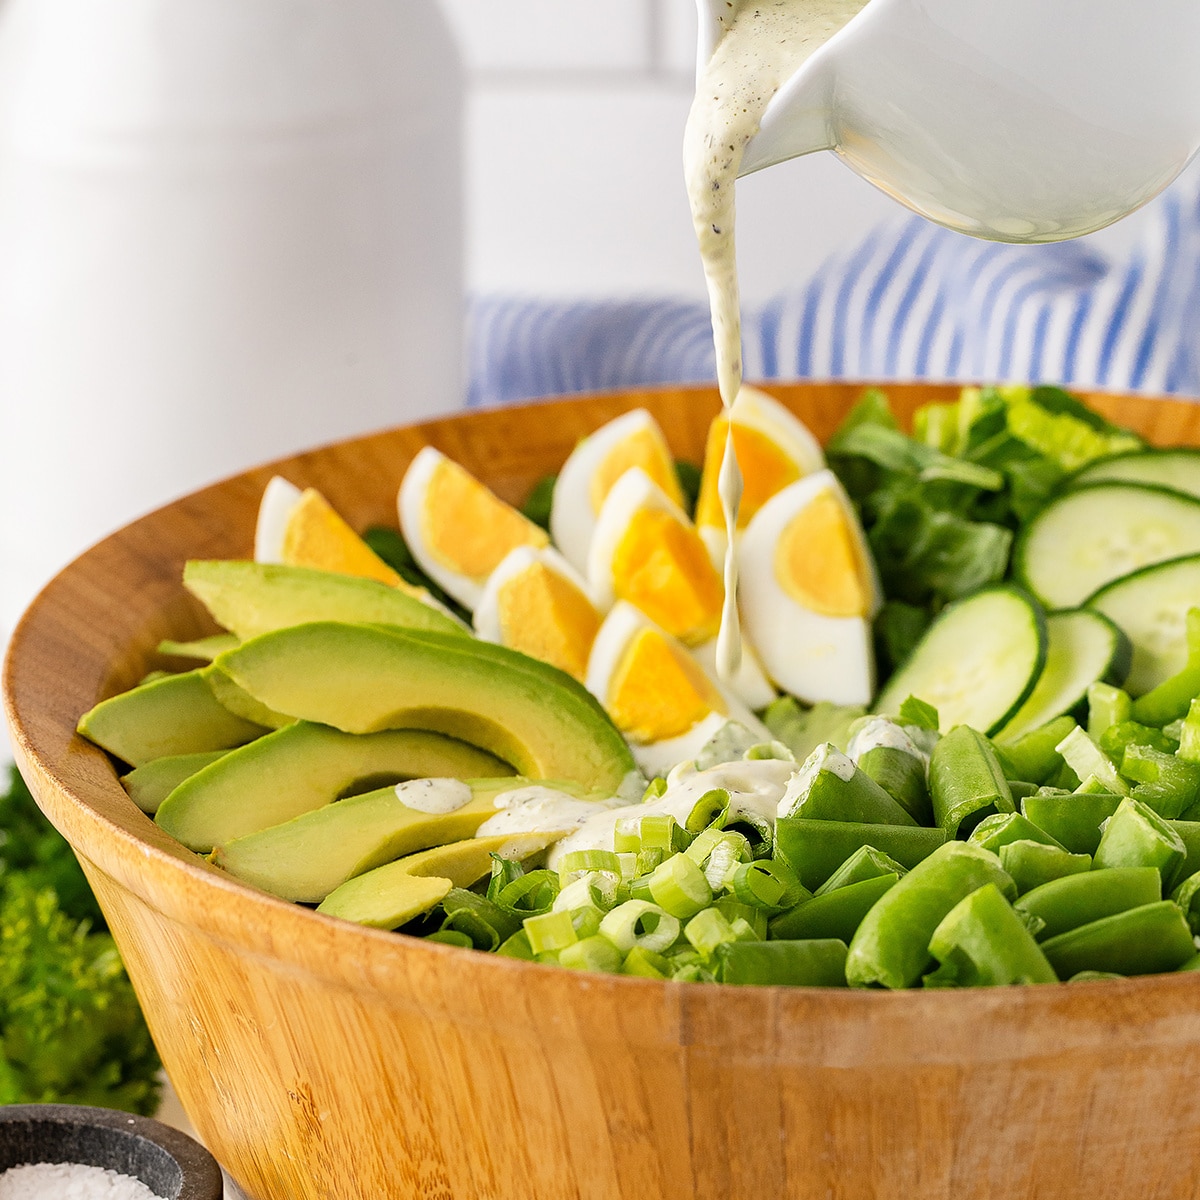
(229, 229)
(1017, 120)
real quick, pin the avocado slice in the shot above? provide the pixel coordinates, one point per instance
(300, 768)
(306, 858)
(391, 895)
(149, 785)
(362, 678)
(250, 598)
(174, 715)
(205, 649)
(240, 702)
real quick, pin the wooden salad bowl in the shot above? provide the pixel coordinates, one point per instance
(324, 1061)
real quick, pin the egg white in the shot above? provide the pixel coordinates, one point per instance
(279, 500)
(572, 517)
(750, 684)
(812, 655)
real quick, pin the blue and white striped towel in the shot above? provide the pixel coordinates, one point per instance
(912, 301)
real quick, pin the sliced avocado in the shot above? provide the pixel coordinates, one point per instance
(205, 649)
(250, 598)
(240, 702)
(362, 678)
(307, 857)
(391, 895)
(175, 715)
(300, 768)
(149, 785)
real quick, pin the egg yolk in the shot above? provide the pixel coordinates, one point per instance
(658, 690)
(546, 616)
(643, 448)
(317, 536)
(819, 562)
(662, 568)
(467, 528)
(766, 469)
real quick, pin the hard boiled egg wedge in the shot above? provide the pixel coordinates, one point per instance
(658, 696)
(302, 529)
(536, 603)
(774, 449)
(646, 551)
(457, 530)
(808, 592)
(632, 440)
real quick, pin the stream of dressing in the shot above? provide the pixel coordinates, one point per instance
(761, 45)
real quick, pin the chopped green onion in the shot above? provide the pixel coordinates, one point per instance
(647, 860)
(647, 964)
(655, 788)
(693, 973)
(680, 887)
(661, 831)
(504, 872)
(639, 888)
(586, 919)
(596, 889)
(638, 923)
(743, 931)
(485, 923)
(517, 946)
(594, 953)
(628, 862)
(627, 835)
(775, 751)
(707, 930)
(571, 866)
(452, 937)
(710, 810)
(550, 932)
(769, 884)
(736, 911)
(528, 894)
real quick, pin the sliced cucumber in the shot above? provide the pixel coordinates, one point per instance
(977, 663)
(1178, 469)
(1151, 606)
(1092, 535)
(1083, 646)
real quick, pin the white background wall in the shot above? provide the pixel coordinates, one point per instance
(575, 121)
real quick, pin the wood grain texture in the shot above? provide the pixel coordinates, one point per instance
(322, 1061)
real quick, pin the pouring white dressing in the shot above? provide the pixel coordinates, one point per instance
(761, 45)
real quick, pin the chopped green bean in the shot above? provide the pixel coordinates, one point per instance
(1138, 941)
(829, 787)
(834, 914)
(1136, 836)
(1073, 819)
(809, 963)
(1033, 756)
(966, 780)
(1001, 828)
(816, 849)
(865, 863)
(902, 776)
(1074, 900)
(982, 942)
(1033, 863)
(891, 947)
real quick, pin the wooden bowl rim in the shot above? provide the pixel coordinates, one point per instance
(133, 847)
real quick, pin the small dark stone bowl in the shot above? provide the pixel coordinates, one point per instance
(169, 1163)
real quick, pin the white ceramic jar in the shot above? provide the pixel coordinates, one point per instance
(229, 229)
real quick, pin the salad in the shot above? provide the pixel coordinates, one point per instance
(962, 747)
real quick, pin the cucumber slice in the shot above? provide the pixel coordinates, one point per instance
(1092, 535)
(1083, 646)
(977, 663)
(1178, 469)
(1151, 606)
